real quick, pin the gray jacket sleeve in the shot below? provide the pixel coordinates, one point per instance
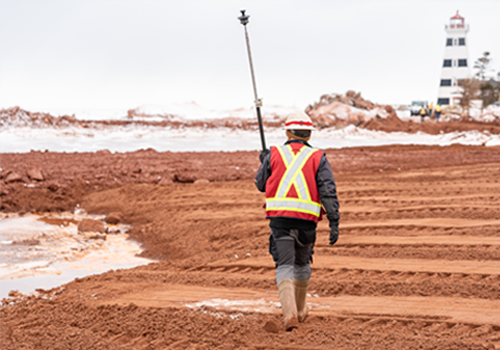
(263, 173)
(327, 190)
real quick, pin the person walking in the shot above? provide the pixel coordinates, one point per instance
(431, 109)
(437, 112)
(299, 183)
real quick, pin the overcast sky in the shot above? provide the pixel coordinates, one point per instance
(127, 53)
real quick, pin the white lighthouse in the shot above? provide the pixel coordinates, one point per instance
(455, 65)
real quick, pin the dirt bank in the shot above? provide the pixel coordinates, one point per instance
(416, 265)
(393, 124)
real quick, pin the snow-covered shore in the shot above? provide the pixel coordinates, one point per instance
(190, 127)
(133, 138)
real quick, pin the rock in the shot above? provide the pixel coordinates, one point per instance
(156, 179)
(323, 121)
(3, 190)
(15, 294)
(201, 181)
(184, 178)
(13, 177)
(137, 169)
(165, 181)
(389, 109)
(148, 179)
(90, 225)
(53, 186)
(272, 327)
(131, 113)
(113, 231)
(350, 93)
(346, 100)
(95, 237)
(360, 103)
(35, 174)
(113, 218)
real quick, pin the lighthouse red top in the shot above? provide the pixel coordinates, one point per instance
(457, 21)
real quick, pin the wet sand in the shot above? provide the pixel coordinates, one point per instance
(416, 265)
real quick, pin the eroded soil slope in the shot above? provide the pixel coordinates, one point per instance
(417, 264)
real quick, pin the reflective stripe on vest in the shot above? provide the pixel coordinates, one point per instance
(294, 176)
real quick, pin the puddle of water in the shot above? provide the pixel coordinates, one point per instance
(46, 250)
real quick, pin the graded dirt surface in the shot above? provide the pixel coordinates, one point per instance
(417, 265)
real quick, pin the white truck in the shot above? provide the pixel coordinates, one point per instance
(416, 106)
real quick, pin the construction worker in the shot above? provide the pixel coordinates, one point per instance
(437, 112)
(297, 180)
(431, 109)
(423, 113)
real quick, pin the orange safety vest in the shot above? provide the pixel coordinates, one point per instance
(291, 190)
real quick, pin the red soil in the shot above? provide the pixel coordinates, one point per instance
(416, 265)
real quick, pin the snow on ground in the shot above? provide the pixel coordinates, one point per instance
(172, 111)
(193, 111)
(24, 137)
(490, 114)
(133, 138)
(87, 113)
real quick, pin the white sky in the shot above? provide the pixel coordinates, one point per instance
(126, 53)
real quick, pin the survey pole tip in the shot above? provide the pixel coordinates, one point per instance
(243, 18)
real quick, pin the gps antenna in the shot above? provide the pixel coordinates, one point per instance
(258, 102)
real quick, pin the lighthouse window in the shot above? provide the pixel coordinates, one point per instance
(447, 63)
(449, 42)
(462, 63)
(461, 41)
(445, 82)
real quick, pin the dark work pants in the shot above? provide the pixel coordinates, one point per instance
(292, 251)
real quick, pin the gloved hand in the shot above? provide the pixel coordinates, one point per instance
(263, 154)
(334, 232)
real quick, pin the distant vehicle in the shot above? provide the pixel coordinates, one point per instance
(416, 106)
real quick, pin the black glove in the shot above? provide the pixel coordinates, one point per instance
(334, 232)
(263, 154)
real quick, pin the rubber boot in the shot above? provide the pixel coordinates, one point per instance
(300, 298)
(288, 306)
